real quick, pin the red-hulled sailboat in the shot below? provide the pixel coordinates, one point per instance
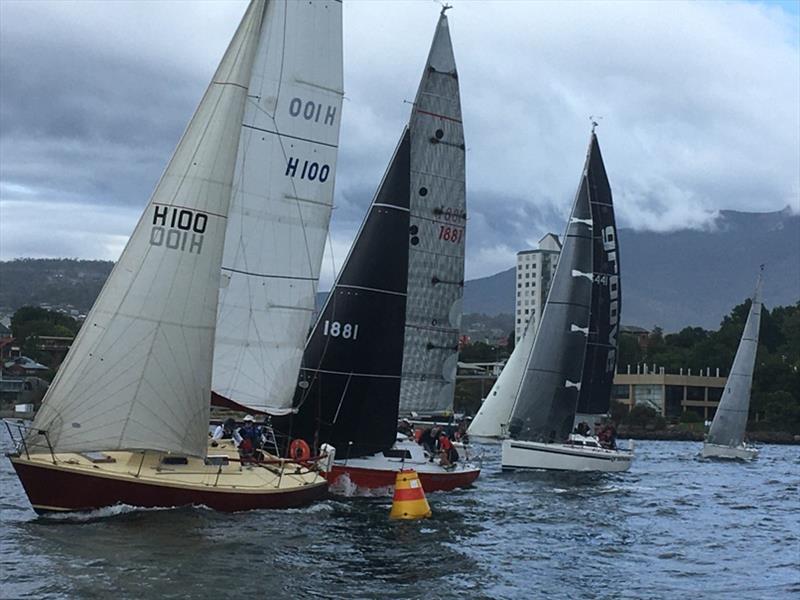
(126, 418)
(387, 336)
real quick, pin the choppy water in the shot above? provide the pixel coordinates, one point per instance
(674, 526)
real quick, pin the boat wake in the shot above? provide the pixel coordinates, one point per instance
(343, 486)
(108, 512)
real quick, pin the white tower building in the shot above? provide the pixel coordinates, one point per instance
(534, 272)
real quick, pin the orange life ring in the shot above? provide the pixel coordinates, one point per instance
(299, 450)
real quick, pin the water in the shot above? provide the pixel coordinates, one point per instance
(673, 526)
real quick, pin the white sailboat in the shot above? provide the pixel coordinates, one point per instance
(126, 418)
(726, 436)
(573, 357)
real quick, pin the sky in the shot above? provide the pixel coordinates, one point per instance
(700, 107)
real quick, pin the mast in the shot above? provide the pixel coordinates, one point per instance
(438, 220)
(350, 380)
(281, 205)
(730, 420)
(600, 363)
(138, 375)
(547, 399)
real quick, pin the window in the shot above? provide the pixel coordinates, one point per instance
(620, 392)
(519, 321)
(526, 311)
(695, 392)
(174, 460)
(527, 284)
(393, 453)
(217, 461)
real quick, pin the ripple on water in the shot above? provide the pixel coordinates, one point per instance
(671, 526)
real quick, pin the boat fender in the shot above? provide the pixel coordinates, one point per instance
(299, 450)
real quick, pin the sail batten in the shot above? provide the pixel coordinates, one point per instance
(153, 322)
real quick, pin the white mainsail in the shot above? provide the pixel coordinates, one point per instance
(438, 227)
(494, 414)
(138, 375)
(730, 420)
(281, 205)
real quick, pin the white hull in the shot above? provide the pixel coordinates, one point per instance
(738, 453)
(519, 454)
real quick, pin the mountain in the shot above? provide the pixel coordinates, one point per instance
(686, 277)
(673, 280)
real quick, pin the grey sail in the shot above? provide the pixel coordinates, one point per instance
(600, 362)
(437, 221)
(547, 399)
(730, 420)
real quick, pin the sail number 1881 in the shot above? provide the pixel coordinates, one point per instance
(347, 331)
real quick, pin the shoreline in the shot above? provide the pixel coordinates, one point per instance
(763, 437)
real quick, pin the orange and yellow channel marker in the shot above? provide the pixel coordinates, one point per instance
(409, 498)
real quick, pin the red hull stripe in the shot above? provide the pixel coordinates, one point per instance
(431, 482)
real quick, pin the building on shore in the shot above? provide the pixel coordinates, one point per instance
(670, 394)
(535, 270)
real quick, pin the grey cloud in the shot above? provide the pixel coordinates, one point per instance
(699, 105)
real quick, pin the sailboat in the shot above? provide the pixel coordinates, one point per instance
(726, 436)
(574, 354)
(388, 331)
(126, 418)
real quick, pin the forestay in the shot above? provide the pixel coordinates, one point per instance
(281, 206)
(139, 372)
(730, 420)
(438, 224)
(545, 406)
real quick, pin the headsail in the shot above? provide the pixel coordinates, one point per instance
(730, 420)
(281, 206)
(138, 375)
(547, 400)
(438, 223)
(494, 414)
(600, 363)
(350, 379)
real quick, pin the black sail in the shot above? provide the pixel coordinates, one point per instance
(350, 379)
(601, 349)
(547, 399)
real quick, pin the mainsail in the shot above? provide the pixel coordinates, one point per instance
(138, 375)
(600, 363)
(281, 205)
(548, 397)
(730, 420)
(350, 380)
(438, 223)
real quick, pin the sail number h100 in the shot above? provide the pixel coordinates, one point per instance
(347, 331)
(178, 228)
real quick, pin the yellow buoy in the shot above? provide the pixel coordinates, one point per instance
(409, 498)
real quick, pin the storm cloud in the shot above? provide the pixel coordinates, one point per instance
(699, 104)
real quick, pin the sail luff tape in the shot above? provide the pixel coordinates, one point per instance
(409, 500)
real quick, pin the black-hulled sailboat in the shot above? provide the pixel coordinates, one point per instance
(356, 367)
(574, 355)
(725, 438)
